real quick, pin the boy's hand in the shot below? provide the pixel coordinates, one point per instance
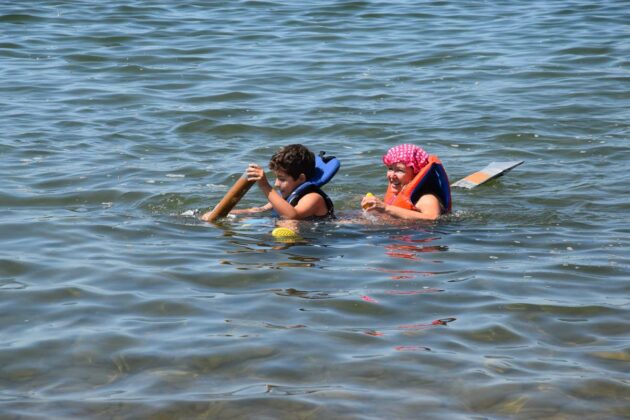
(255, 172)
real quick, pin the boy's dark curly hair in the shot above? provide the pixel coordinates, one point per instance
(294, 159)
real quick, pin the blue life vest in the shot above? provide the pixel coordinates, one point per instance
(325, 169)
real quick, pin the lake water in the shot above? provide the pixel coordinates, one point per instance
(120, 121)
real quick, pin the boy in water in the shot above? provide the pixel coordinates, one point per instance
(293, 165)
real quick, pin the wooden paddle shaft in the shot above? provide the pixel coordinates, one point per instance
(230, 199)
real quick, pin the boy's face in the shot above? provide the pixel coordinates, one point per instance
(286, 183)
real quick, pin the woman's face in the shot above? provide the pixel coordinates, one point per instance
(399, 175)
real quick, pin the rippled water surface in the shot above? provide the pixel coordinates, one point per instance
(120, 121)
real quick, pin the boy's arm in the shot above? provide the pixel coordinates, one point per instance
(256, 173)
(308, 206)
(282, 206)
(253, 210)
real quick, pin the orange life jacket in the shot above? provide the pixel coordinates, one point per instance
(432, 178)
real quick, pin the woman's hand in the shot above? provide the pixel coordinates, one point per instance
(373, 203)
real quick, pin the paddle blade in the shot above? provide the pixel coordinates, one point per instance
(493, 170)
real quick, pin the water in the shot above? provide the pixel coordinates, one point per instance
(121, 119)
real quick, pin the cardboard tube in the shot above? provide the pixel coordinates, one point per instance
(230, 199)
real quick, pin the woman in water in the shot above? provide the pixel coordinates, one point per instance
(418, 187)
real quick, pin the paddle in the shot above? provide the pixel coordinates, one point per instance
(229, 200)
(493, 170)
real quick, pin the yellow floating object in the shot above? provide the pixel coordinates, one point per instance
(366, 206)
(282, 232)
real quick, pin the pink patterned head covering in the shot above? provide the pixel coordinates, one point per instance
(408, 154)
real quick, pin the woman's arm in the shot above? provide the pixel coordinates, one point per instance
(428, 208)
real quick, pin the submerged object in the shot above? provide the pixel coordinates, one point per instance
(286, 235)
(493, 170)
(282, 232)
